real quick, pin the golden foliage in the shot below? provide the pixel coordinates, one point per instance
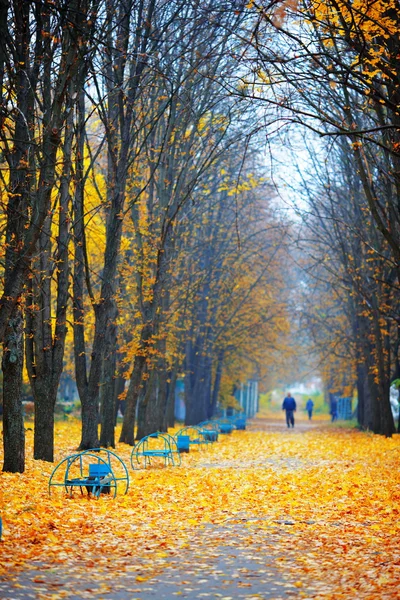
(324, 504)
(369, 27)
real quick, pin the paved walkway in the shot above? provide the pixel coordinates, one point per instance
(276, 424)
(233, 574)
(214, 565)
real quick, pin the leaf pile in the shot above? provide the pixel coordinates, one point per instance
(323, 504)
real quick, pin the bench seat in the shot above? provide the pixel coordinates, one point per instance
(155, 453)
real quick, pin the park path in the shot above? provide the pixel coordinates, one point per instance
(255, 553)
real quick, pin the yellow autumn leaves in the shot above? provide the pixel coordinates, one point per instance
(324, 503)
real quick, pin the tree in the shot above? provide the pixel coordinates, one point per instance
(41, 46)
(192, 128)
(337, 74)
(328, 70)
(349, 313)
(236, 304)
(128, 46)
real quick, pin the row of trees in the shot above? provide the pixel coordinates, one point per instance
(134, 237)
(334, 68)
(136, 234)
(350, 303)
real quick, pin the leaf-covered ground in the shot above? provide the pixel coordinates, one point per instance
(267, 513)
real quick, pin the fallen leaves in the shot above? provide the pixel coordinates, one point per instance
(323, 505)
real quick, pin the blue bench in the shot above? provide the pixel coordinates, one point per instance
(155, 446)
(210, 430)
(210, 435)
(98, 471)
(183, 443)
(225, 427)
(97, 482)
(195, 434)
(240, 423)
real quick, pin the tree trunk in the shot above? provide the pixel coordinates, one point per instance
(162, 398)
(152, 409)
(74, 19)
(13, 418)
(44, 425)
(89, 436)
(90, 402)
(169, 418)
(120, 114)
(119, 388)
(137, 387)
(361, 406)
(197, 386)
(105, 324)
(45, 352)
(384, 423)
(107, 433)
(135, 384)
(217, 384)
(39, 348)
(384, 349)
(153, 403)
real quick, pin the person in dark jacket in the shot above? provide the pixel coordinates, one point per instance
(289, 405)
(309, 408)
(334, 409)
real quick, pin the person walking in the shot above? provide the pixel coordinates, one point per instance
(334, 408)
(309, 408)
(289, 405)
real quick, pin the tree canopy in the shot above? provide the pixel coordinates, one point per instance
(143, 238)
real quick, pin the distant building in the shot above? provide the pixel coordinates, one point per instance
(248, 397)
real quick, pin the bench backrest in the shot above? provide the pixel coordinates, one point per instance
(225, 427)
(98, 470)
(183, 442)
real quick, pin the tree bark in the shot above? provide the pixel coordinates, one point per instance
(45, 352)
(153, 403)
(169, 418)
(54, 119)
(217, 384)
(118, 390)
(89, 436)
(361, 405)
(13, 418)
(197, 384)
(123, 78)
(135, 386)
(107, 434)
